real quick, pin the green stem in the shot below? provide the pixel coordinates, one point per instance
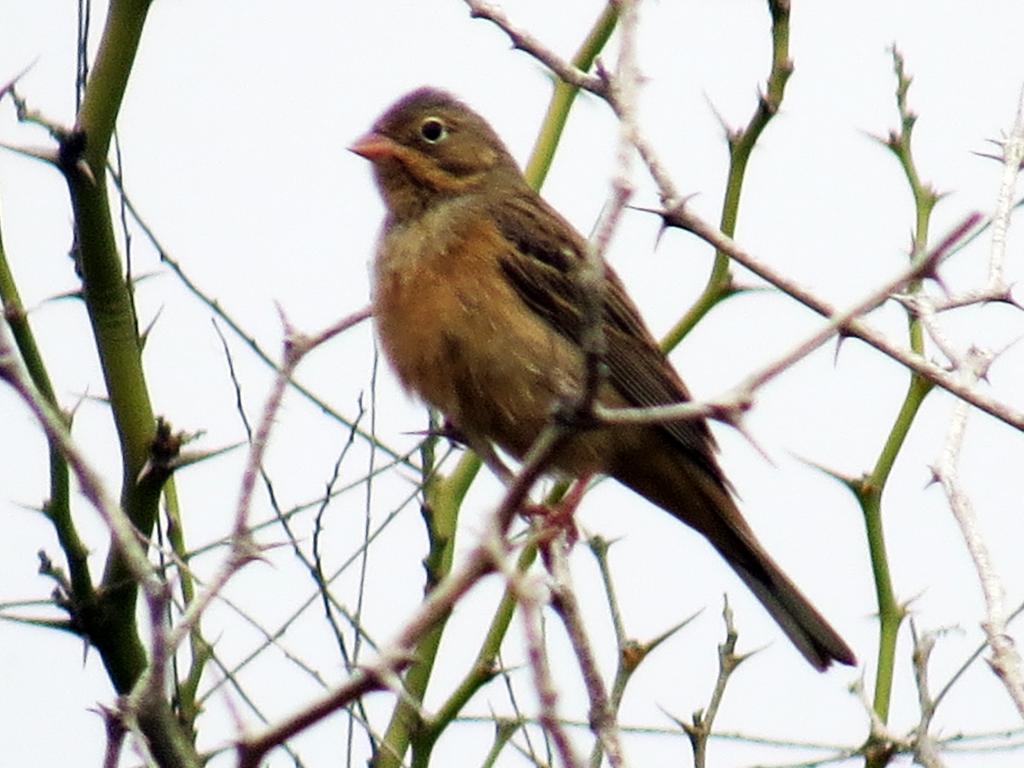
(485, 666)
(869, 492)
(108, 301)
(186, 705)
(442, 502)
(741, 145)
(58, 506)
(564, 94)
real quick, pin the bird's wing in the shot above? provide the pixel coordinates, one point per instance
(542, 266)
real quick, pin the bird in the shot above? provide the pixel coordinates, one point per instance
(478, 310)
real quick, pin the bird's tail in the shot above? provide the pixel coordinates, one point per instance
(701, 501)
(813, 636)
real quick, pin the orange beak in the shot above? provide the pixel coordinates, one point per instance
(373, 146)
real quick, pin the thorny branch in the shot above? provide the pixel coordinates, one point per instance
(699, 730)
(970, 367)
(563, 599)
(731, 406)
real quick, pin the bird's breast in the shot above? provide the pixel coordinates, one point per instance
(457, 333)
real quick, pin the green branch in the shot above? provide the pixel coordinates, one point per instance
(869, 489)
(741, 144)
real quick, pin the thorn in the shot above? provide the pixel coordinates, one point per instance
(847, 480)
(45, 154)
(144, 336)
(673, 212)
(85, 171)
(841, 336)
(739, 658)
(936, 278)
(1006, 348)
(70, 150)
(76, 294)
(737, 424)
(1010, 299)
(988, 156)
(188, 458)
(43, 509)
(719, 117)
(654, 642)
(875, 137)
(8, 87)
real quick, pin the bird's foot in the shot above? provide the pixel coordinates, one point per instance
(555, 520)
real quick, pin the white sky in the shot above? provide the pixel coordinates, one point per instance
(233, 134)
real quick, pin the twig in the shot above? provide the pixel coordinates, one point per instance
(547, 692)
(563, 600)
(115, 731)
(881, 743)
(242, 548)
(699, 729)
(925, 751)
(858, 328)
(524, 41)
(1013, 156)
(1005, 660)
(971, 367)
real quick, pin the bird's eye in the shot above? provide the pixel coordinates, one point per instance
(433, 130)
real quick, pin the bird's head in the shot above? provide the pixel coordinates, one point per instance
(429, 146)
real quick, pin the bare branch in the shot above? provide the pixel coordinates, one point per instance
(699, 729)
(858, 328)
(971, 367)
(524, 41)
(731, 405)
(925, 749)
(602, 717)
(547, 692)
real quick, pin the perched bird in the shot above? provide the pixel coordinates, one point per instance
(478, 311)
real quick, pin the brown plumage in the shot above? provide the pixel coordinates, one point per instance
(478, 312)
